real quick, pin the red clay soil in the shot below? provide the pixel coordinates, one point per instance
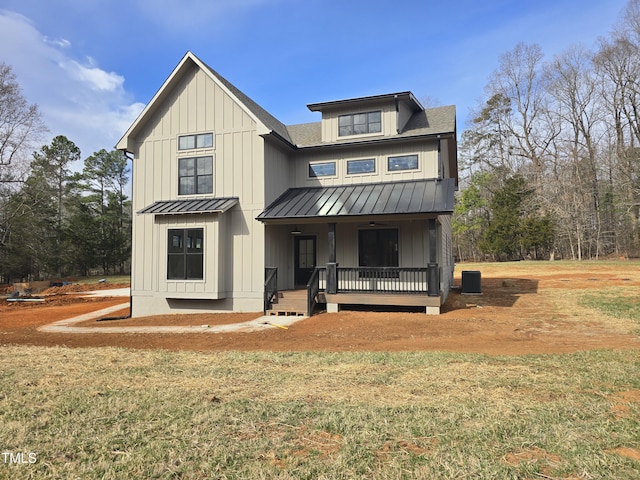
(512, 317)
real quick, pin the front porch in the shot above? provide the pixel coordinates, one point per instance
(366, 244)
(394, 286)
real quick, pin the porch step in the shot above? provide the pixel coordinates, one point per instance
(289, 302)
(286, 313)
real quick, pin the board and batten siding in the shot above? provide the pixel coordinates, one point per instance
(330, 122)
(199, 104)
(427, 164)
(413, 244)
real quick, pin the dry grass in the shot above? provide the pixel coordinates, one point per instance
(114, 413)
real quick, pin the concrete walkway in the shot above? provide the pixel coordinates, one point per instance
(260, 323)
(109, 292)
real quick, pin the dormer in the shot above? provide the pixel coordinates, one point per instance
(366, 117)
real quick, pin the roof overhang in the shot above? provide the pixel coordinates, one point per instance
(190, 206)
(410, 198)
(374, 99)
(186, 64)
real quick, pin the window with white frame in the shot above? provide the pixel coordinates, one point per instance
(360, 123)
(185, 254)
(325, 169)
(195, 175)
(367, 165)
(197, 140)
(402, 162)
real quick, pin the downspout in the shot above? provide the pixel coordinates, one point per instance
(126, 154)
(440, 164)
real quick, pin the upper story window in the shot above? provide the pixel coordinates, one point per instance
(403, 162)
(195, 175)
(327, 169)
(355, 167)
(360, 123)
(199, 140)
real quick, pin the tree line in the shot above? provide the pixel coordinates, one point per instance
(550, 163)
(56, 222)
(549, 168)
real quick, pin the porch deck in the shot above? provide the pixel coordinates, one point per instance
(397, 286)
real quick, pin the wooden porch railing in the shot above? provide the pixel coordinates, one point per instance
(313, 287)
(270, 286)
(411, 280)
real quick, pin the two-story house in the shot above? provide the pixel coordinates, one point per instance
(235, 211)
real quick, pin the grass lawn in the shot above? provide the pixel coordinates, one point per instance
(113, 413)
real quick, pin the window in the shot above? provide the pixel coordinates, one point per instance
(327, 169)
(359, 123)
(361, 166)
(404, 162)
(195, 175)
(378, 247)
(185, 254)
(190, 142)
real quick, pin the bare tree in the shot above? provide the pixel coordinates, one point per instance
(519, 80)
(20, 129)
(618, 66)
(574, 88)
(20, 125)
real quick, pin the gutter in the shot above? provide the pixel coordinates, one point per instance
(430, 136)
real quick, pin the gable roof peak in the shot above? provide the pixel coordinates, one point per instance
(268, 122)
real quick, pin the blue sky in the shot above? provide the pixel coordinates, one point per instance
(91, 66)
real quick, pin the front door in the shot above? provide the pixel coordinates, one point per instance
(305, 258)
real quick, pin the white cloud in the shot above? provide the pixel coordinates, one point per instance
(78, 99)
(95, 78)
(57, 42)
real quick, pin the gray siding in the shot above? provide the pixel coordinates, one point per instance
(427, 164)
(238, 172)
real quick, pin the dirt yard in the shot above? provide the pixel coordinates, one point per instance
(526, 307)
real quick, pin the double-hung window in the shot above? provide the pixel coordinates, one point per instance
(185, 254)
(360, 123)
(195, 175)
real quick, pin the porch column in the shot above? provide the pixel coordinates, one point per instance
(332, 266)
(433, 273)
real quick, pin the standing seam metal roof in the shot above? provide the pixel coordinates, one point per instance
(199, 205)
(416, 196)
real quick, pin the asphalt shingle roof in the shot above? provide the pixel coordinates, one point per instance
(431, 121)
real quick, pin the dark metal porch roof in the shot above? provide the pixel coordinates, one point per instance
(407, 197)
(198, 205)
